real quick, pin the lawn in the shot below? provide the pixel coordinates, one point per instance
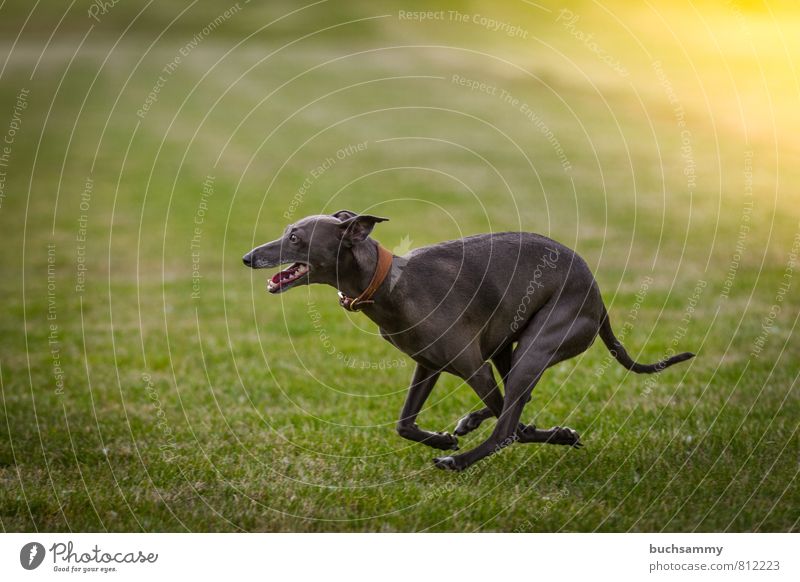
(149, 382)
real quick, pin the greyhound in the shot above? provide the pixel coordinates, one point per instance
(519, 300)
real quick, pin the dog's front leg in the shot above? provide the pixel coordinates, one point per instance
(421, 385)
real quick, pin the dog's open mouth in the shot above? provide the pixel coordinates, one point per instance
(284, 279)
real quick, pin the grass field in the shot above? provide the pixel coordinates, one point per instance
(149, 383)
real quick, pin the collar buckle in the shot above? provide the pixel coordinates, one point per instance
(382, 269)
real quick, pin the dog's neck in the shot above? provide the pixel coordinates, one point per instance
(356, 268)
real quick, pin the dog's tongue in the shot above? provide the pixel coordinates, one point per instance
(280, 275)
(286, 276)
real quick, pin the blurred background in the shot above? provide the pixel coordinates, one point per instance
(149, 383)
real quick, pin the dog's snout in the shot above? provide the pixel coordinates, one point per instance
(248, 260)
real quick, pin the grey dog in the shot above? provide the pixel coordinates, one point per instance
(520, 300)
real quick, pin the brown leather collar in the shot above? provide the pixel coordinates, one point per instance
(381, 270)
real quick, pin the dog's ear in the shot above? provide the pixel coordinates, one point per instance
(344, 214)
(357, 228)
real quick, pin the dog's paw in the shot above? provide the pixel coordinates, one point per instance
(446, 464)
(443, 441)
(467, 423)
(563, 435)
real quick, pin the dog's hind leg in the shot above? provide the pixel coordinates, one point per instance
(502, 361)
(421, 385)
(555, 333)
(558, 435)
(503, 364)
(472, 420)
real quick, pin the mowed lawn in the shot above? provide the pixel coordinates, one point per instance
(149, 382)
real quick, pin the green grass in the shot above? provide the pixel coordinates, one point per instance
(253, 420)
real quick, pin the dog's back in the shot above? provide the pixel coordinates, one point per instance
(497, 281)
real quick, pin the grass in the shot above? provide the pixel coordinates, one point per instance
(233, 410)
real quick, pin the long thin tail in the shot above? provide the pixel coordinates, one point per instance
(619, 353)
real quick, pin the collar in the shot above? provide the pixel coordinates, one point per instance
(381, 270)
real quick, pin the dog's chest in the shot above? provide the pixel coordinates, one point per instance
(435, 350)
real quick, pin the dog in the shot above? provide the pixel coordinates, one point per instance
(519, 300)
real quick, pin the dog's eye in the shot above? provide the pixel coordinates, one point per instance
(293, 238)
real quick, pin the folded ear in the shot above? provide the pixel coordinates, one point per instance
(357, 228)
(344, 214)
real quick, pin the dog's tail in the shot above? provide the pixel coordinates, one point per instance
(621, 355)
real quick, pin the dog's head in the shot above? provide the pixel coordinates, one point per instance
(315, 247)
